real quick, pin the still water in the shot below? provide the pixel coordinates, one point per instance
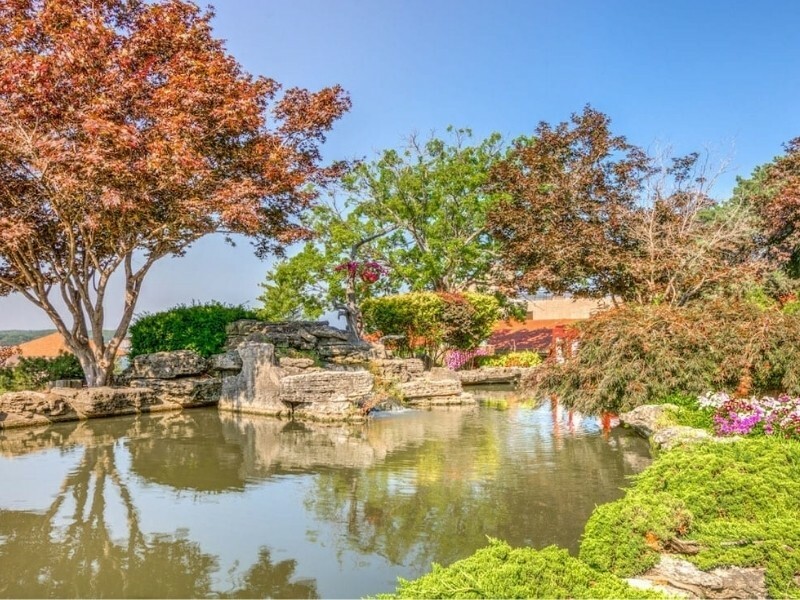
(202, 504)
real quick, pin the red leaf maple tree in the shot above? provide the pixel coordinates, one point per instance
(127, 132)
(777, 200)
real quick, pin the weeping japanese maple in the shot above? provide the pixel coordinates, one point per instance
(127, 132)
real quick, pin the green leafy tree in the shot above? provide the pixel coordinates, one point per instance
(335, 272)
(420, 212)
(437, 195)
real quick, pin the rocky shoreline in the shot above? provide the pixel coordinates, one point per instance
(303, 370)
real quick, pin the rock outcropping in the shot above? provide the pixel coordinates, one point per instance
(417, 387)
(328, 343)
(493, 375)
(256, 388)
(327, 395)
(398, 369)
(26, 409)
(678, 577)
(250, 377)
(182, 377)
(265, 387)
(430, 392)
(652, 421)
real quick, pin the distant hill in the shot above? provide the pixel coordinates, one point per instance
(14, 337)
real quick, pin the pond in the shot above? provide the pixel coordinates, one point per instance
(203, 504)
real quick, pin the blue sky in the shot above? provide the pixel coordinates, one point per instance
(693, 75)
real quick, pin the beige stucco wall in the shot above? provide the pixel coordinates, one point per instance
(564, 308)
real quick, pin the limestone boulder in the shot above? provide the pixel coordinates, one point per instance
(327, 395)
(399, 370)
(324, 332)
(228, 362)
(345, 353)
(490, 375)
(427, 388)
(675, 574)
(328, 343)
(299, 335)
(288, 362)
(257, 387)
(679, 435)
(647, 419)
(434, 392)
(25, 409)
(96, 402)
(167, 365)
(186, 391)
(294, 366)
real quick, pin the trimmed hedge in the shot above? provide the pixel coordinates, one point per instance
(199, 327)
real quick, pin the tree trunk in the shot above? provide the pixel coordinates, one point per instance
(352, 314)
(96, 374)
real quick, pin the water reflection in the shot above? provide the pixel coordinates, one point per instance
(197, 504)
(188, 451)
(72, 549)
(273, 446)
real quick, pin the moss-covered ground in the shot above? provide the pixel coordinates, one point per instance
(735, 503)
(499, 571)
(739, 502)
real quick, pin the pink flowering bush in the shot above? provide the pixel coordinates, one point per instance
(739, 416)
(458, 359)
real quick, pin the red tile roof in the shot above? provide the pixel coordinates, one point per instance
(48, 346)
(525, 335)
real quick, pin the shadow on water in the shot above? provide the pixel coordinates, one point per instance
(330, 510)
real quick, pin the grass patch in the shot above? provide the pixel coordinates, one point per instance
(499, 571)
(688, 413)
(739, 501)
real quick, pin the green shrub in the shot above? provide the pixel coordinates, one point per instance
(499, 571)
(199, 327)
(11, 380)
(36, 372)
(522, 358)
(432, 322)
(737, 502)
(638, 354)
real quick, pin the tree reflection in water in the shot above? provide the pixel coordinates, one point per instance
(411, 489)
(70, 550)
(438, 500)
